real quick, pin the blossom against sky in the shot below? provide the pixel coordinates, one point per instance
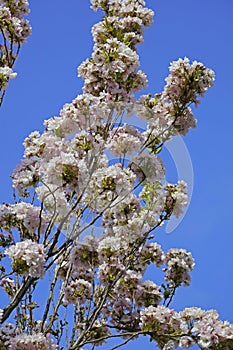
(47, 78)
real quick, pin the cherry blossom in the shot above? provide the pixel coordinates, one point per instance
(86, 222)
(14, 31)
(32, 341)
(28, 258)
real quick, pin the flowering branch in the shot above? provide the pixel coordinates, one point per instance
(93, 231)
(14, 31)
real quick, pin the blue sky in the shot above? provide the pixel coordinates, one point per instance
(47, 78)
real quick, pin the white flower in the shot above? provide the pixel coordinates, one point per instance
(77, 291)
(8, 72)
(148, 167)
(179, 263)
(28, 258)
(162, 321)
(125, 140)
(35, 341)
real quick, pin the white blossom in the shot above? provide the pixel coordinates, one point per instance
(28, 258)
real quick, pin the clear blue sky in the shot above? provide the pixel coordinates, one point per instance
(47, 79)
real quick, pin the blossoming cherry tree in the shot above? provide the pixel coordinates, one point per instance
(84, 225)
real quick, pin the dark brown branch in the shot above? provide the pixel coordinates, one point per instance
(18, 297)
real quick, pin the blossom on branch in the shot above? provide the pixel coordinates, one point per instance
(28, 258)
(14, 31)
(102, 189)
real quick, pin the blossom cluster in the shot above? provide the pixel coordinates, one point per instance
(179, 263)
(6, 73)
(125, 140)
(169, 112)
(9, 286)
(7, 332)
(27, 218)
(28, 258)
(98, 215)
(195, 77)
(114, 62)
(96, 263)
(186, 328)
(32, 341)
(14, 30)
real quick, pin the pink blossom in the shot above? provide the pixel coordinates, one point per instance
(35, 341)
(179, 263)
(28, 258)
(77, 291)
